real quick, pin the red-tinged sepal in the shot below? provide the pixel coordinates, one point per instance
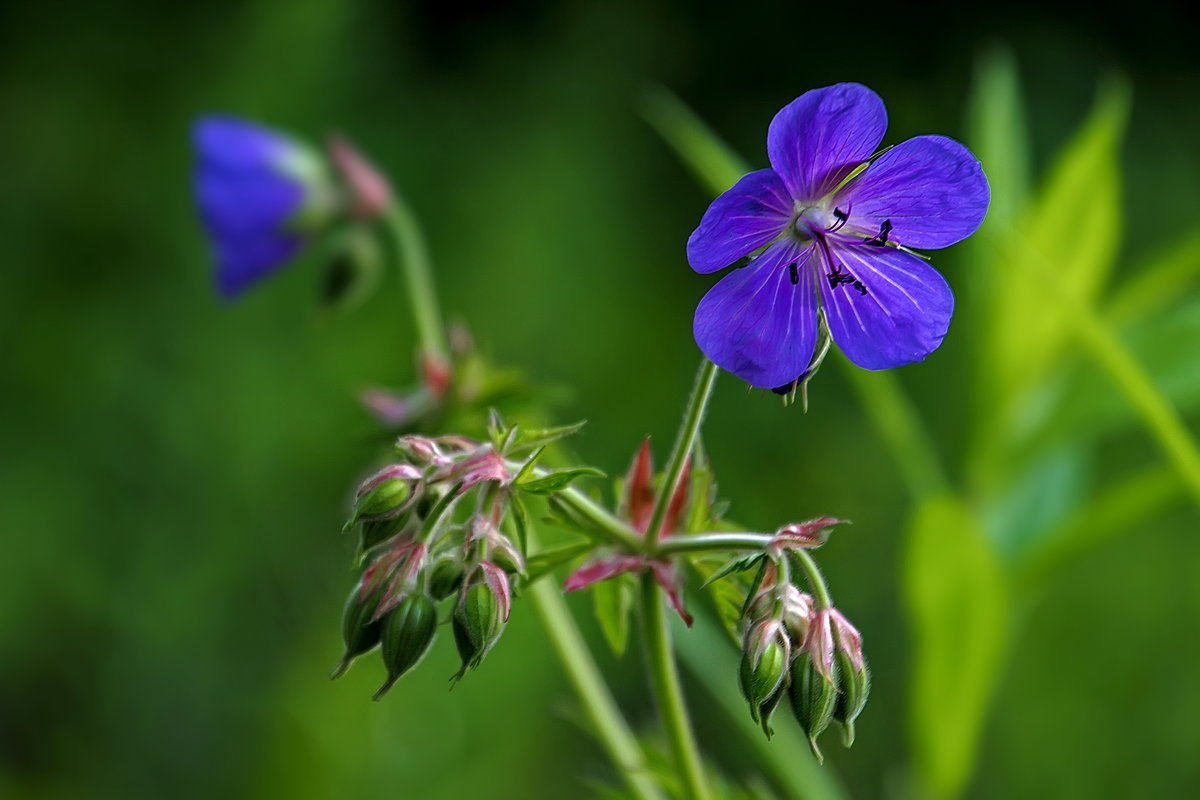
(805, 535)
(667, 577)
(637, 499)
(601, 570)
(369, 191)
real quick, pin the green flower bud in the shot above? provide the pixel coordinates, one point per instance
(385, 494)
(480, 615)
(374, 531)
(855, 686)
(408, 631)
(360, 632)
(764, 663)
(813, 699)
(446, 578)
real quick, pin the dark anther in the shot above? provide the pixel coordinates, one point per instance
(788, 387)
(794, 273)
(842, 216)
(838, 278)
(884, 231)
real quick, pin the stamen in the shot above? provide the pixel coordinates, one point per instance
(882, 237)
(842, 218)
(794, 274)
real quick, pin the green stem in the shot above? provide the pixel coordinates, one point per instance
(619, 532)
(714, 543)
(415, 265)
(610, 727)
(706, 378)
(664, 677)
(815, 579)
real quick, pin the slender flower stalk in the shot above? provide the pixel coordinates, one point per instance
(664, 678)
(413, 256)
(689, 430)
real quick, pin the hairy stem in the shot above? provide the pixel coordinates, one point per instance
(609, 726)
(664, 678)
(706, 378)
(414, 260)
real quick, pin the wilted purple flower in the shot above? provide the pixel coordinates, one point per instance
(256, 190)
(834, 223)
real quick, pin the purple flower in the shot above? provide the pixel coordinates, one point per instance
(259, 193)
(833, 224)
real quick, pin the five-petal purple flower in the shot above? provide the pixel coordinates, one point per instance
(253, 186)
(833, 223)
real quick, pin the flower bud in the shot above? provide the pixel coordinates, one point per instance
(445, 578)
(385, 494)
(480, 615)
(765, 659)
(408, 631)
(374, 531)
(360, 631)
(813, 697)
(855, 686)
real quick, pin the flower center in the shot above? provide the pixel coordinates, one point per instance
(810, 222)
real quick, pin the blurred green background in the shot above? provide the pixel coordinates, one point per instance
(174, 470)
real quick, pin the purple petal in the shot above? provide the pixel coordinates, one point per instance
(235, 205)
(242, 262)
(816, 140)
(234, 144)
(743, 219)
(756, 323)
(902, 317)
(931, 189)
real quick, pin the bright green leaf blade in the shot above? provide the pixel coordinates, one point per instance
(612, 601)
(558, 479)
(996, 132)
(958, 607)
(1073, 224)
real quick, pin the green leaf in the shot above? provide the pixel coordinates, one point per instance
(1072, 230)
(527, 468)
(997, 134)
(958, 606)
(736, 565)
(557, 480)
(550, 560)
(540, 437)
(698, 147)
(613, 600)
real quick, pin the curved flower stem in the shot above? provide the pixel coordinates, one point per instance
(610, 727)
(664, 678)
(714, 543)
(815, 579)
(414, 264)
(706, 378)
(604, 521)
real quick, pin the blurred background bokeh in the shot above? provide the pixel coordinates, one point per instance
(174, 469)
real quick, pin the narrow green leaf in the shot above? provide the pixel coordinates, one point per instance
(557, 480)
(529, 464)
(701, 150)
(540, 437)
(612, 601)
(997, 134)
(958, 607)
(1074, 223)
(549, 560)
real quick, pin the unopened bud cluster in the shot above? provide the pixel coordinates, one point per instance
(434, 542)
(812, 654)
(418, 551)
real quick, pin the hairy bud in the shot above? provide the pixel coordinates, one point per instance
(813, 697)
(480, 615)
(386, 494)
(445, 578)
(765, 657)
(407, 633)
(360, 630)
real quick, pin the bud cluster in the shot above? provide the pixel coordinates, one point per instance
(417, 550)
(795, 646)
(434, 528)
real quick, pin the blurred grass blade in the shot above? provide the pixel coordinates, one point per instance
(1075, 224)
(1159, 282)
(996, 132)
(958, 607)
(696, 144)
